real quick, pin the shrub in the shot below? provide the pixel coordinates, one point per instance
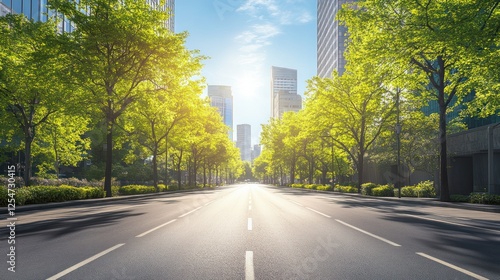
(425, 189)
(136, 189)
(385, 190)
(484, 198)
(346, 189)
(310, 186)
(366, 188)
(94, 192)
(297, 186)
(408, 191)
(324, 188)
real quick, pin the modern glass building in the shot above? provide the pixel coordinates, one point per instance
(331, 38)
(284, 95)
(243, 141)
(38, 11)
(221, 97)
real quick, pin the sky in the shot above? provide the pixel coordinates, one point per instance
(243, 39)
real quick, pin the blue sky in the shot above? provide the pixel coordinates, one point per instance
(243, 39)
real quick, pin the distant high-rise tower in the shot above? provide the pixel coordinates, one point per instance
(222, 98)
(243, 141)
(284, 95)
(331, 38)
(168, 6)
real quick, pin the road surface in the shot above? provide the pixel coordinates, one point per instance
(253, 231)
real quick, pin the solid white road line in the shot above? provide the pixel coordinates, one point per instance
(370, 234)
(318, 212)
(82, 263)
(153, 229)
(446, 222)
(471, 274)
(296, 203)
(249, 271)
(249, 223)
(183, 215)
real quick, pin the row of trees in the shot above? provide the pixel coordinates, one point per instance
(120, 79)
(401, 56)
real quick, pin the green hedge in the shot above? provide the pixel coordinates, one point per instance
(346, 189)
(384, 190)
(324, 188)
(366, 188)
(422, 189)
(46, 194)
(484, 198)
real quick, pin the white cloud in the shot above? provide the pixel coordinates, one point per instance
(281, 11)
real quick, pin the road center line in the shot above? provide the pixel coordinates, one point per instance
(249, 223)
(185, 214)
(471, 274)
(370, 234)
(318, 212)
(82, 263)
(153, 229)
(249, 270)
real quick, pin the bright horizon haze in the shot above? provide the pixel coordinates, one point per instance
(243, 39)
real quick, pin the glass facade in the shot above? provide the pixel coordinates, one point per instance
(37, 10)
(331, 38)
(284, 95)
(221, 98)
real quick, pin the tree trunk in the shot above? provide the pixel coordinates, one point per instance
(361, 168)
(27, 159)
(443, 160)
(155, 167)
(109, 159)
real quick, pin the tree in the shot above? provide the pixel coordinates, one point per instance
(353, 108)
(117, 47)
(428, 39)
(31, 72)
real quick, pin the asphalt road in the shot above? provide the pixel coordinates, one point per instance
(253, 232)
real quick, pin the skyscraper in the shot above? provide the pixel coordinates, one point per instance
(243, 141)
(222, 98)
(331, 38)
(284, 95)
(168, 6)
(38, 11)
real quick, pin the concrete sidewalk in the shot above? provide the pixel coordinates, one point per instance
(51, 205)
(417, 201)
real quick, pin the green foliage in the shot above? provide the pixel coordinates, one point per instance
(422, 189)
(324, 188)
(384, 190)
(366, 188)
(484, 198)
(346, 189)
(136, 189)
(310, 186)
(297, 186)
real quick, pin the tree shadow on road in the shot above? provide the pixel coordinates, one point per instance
(474, 246)
(58, 227)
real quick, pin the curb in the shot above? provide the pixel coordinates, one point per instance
(52, 205)
(416, 201)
